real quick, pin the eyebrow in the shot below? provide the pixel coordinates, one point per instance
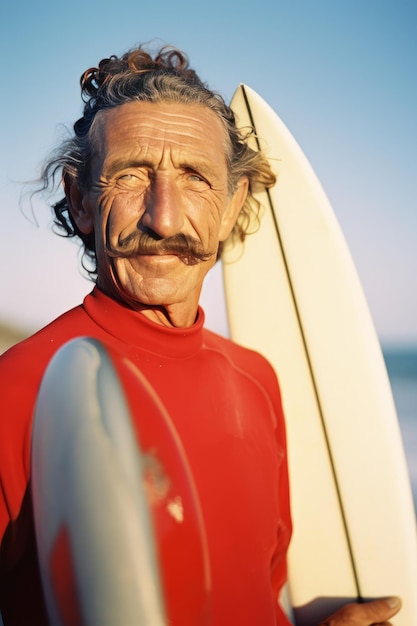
(122, 164)
(197, 166)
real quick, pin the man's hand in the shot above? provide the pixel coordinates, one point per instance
(366, 614)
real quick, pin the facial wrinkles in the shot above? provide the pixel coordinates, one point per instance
(166, 170)
(140, 144)
(165, 143)
(110, 190)
(177, 126)
(194, 137)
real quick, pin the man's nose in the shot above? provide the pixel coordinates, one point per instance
(164, 208)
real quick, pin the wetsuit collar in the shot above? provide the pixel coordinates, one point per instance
(133, 328)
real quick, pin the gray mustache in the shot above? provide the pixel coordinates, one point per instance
(187, 248)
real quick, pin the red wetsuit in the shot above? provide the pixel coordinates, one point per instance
(225, 404)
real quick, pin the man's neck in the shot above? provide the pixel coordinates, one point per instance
(174, 316)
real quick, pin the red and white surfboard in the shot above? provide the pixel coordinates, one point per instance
(118, 523)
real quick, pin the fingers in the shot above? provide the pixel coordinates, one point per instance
(366, 614)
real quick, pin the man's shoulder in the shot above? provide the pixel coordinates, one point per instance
(216, 341)
(242, 357)
(32, 352)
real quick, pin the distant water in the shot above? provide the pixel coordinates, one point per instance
(402, 370)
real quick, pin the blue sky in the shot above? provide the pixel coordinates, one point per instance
(341, 75)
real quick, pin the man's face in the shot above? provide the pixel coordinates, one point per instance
(158, 171)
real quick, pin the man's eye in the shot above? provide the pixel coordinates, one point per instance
(128, 177)
(194, 177)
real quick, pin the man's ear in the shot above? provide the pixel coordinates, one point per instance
(78, 205)
(235, 206)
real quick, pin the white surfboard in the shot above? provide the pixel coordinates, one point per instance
(293, 294)
(119, 530)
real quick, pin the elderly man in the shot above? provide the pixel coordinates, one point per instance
(156, 178)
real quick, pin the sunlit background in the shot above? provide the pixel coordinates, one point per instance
(341, 75)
